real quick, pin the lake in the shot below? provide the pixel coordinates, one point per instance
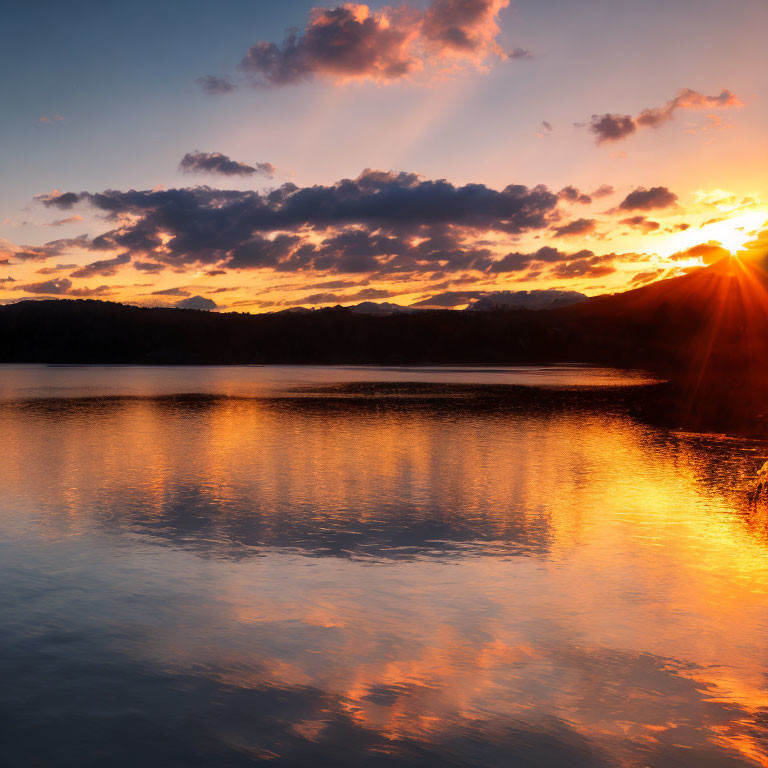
(302, 566)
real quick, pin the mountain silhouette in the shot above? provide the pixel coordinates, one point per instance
(706, 331)
(712, 319)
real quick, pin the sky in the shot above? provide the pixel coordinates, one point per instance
(258, 155)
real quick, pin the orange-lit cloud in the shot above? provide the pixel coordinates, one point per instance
(354, 42)
(611, 127)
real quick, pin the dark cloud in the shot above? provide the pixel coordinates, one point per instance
(196, 302)
(171, 292)
(381, 226)
(343, 42)
(520, 53)
(366, 294)
(63, 287)
(517, 262)
(148, 267)
(352, 41)
(216, 162)
(585, 264)
(448, 299)
(610, 127)
(60, 200)
(643, 199)
(536, 299)
(104, 268)
(613, 127)
(215, 85)
(512, 262)
(490, 300)
(260, 251)
(573, 195)
(377, 221)
(640, 222)
(84, 293)
(56, 287)
(576, 227)
(604, 190)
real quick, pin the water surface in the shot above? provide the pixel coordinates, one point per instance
(364, 566)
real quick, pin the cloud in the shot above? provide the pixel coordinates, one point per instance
(104, 268)
(42, 252)
(171, 292)
(490, 300)
(520, 53)
(381, 226)
(148, 267)
(366, 294)
(447, 300)
(709, 253)
(545, 130)
(615, 127)
(84, 293)
(63, 287)
(604, 190)
(216, 162)
(68, 220)
(215, 85)
(588, 266)
(352, 41)
(466, 27)
(512, 262)
(196, 302)
(536, 299)
(381, 220)
(576, 227)
(54, 269)
(640, 222)
(61, 200)
(758, 247)
(56, 287)
(261, 251)
(647, 277)
(643, 199)
(610, 127)
(573, 195)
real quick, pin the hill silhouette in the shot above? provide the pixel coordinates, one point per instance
(706, 331)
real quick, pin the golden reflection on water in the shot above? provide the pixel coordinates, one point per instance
(432, 567)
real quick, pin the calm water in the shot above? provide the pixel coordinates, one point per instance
(372, 567)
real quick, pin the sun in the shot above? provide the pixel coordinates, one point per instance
(734, 233)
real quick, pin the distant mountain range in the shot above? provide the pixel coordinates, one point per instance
(476, 301)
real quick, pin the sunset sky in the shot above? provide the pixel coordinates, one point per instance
(255, 155)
